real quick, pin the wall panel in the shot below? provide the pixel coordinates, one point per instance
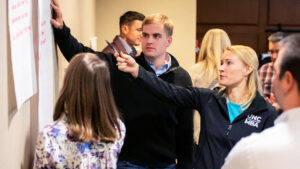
(248, 22)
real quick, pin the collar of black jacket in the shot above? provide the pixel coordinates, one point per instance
(258, 104)
(142, 61)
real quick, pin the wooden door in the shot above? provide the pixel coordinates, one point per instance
(248, 22)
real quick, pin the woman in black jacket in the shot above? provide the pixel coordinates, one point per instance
(228, 113)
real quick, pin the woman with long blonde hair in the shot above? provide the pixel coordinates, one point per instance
(205, 72)
(227, 114)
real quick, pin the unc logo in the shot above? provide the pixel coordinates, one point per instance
(253, 120)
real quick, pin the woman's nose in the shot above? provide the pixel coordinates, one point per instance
(222, 68)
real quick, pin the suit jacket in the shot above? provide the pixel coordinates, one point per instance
(117, 44)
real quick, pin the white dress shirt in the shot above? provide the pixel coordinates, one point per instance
(275, 148)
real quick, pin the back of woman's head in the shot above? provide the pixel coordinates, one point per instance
(213, 45)
(249, 57)
(87, 101)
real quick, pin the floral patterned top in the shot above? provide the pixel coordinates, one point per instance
(55, 149)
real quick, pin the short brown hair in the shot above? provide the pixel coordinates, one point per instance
(87, 101)
(291, 57)
(160, 18)
(128, 17)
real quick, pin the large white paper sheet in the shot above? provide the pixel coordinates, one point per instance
(20, 28)
(46, 54)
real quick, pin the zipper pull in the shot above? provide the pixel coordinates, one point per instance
(229, 127)
(228, 130)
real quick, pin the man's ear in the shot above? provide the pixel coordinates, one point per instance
(124, 29)
(288, 82)
(170, 39)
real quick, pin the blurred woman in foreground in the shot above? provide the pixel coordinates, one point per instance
(87, 131)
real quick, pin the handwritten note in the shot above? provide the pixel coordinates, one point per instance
(20, 28)
(46, 69)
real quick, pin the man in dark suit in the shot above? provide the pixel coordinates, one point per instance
(130, 34)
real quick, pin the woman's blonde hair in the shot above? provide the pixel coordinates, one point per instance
(213, 45)
(87, 101)
(248, 56)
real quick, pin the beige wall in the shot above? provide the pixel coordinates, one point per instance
(79, 15)
(182, 12)
(17, 128)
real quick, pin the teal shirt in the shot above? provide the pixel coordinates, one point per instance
(234, 110)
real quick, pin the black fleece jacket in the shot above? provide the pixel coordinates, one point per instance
(218, 135)
(156, 132)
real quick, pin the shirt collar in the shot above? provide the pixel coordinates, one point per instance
(290, 115)
(125, 44)
(162, 69)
